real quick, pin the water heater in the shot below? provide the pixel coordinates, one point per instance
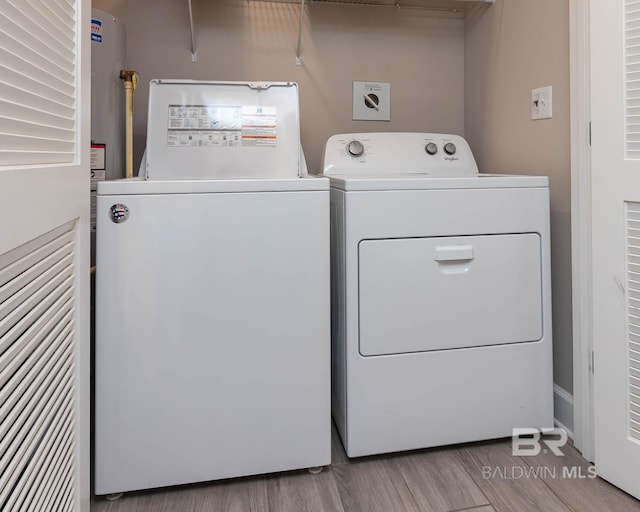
(108, 57)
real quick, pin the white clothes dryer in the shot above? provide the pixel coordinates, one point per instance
(441, 294)
(212, 354)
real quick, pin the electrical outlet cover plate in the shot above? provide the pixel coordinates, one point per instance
(371, 101)
(542, 103)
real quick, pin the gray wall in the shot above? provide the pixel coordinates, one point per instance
(420, 54)
(506, 55)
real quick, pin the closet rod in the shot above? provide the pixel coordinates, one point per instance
(397, 5)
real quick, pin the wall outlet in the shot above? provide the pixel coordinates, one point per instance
(542, 103)
(371, 101)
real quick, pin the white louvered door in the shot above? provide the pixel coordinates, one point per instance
(615, 105)
(44, 255)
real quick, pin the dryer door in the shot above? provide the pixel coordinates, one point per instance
(439, 293)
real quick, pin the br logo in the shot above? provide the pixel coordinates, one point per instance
(528, 442)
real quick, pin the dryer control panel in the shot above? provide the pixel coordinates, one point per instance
(398, 153)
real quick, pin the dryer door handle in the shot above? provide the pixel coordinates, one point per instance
(454, 253)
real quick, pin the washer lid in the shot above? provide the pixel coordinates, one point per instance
(393, 181)
(211, 130)
(139, 186)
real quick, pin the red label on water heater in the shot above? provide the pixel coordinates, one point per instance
(98, 157)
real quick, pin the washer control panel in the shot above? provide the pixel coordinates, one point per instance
(398, 153)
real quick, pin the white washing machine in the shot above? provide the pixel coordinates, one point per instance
(441, 294)
(212, 351)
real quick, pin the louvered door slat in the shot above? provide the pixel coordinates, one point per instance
(33, 340)
(21, 454)
(36, 129)
(40, 492)
(633, 321)
(31, 424)
(53, 495)
(31, 261)
(67, 5)
(37, 374)
(49, 492)
(44, 94)
(20, 379)
(33, 60)
(57, 441)
(17, 413)
(22, 361)
(19, 356)
(61, 13)
(632, 93)
(43, 297)
(39, 424)
(35, 157)
(46, 281)
(33, 143)
(36, 117)
(62, 499)
(10, 332)
(58, 30)
(55, 49)
(38, 98)
(38, 68)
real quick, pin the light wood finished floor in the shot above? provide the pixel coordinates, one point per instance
(480, 477)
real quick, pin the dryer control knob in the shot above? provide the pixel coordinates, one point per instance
(450, 148)
(355, 148)
(431, 148)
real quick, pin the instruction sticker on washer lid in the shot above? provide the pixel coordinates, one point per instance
(259, 126)
(204, 126)
(221, 126)
(205, 117)
(204, 138)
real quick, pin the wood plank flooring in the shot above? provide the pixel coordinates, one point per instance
(479, 477)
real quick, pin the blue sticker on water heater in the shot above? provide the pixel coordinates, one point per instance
(96, 30)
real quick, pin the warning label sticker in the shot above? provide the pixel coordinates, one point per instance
(97, 160)
(259, 126)
(96, 30)
(96, 176)
(221, 126)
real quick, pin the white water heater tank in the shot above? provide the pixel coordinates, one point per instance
(108, 57)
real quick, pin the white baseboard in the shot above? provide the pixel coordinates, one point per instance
(563, 409)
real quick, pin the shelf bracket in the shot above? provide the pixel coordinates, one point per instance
(299, 50)
(194, 54)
